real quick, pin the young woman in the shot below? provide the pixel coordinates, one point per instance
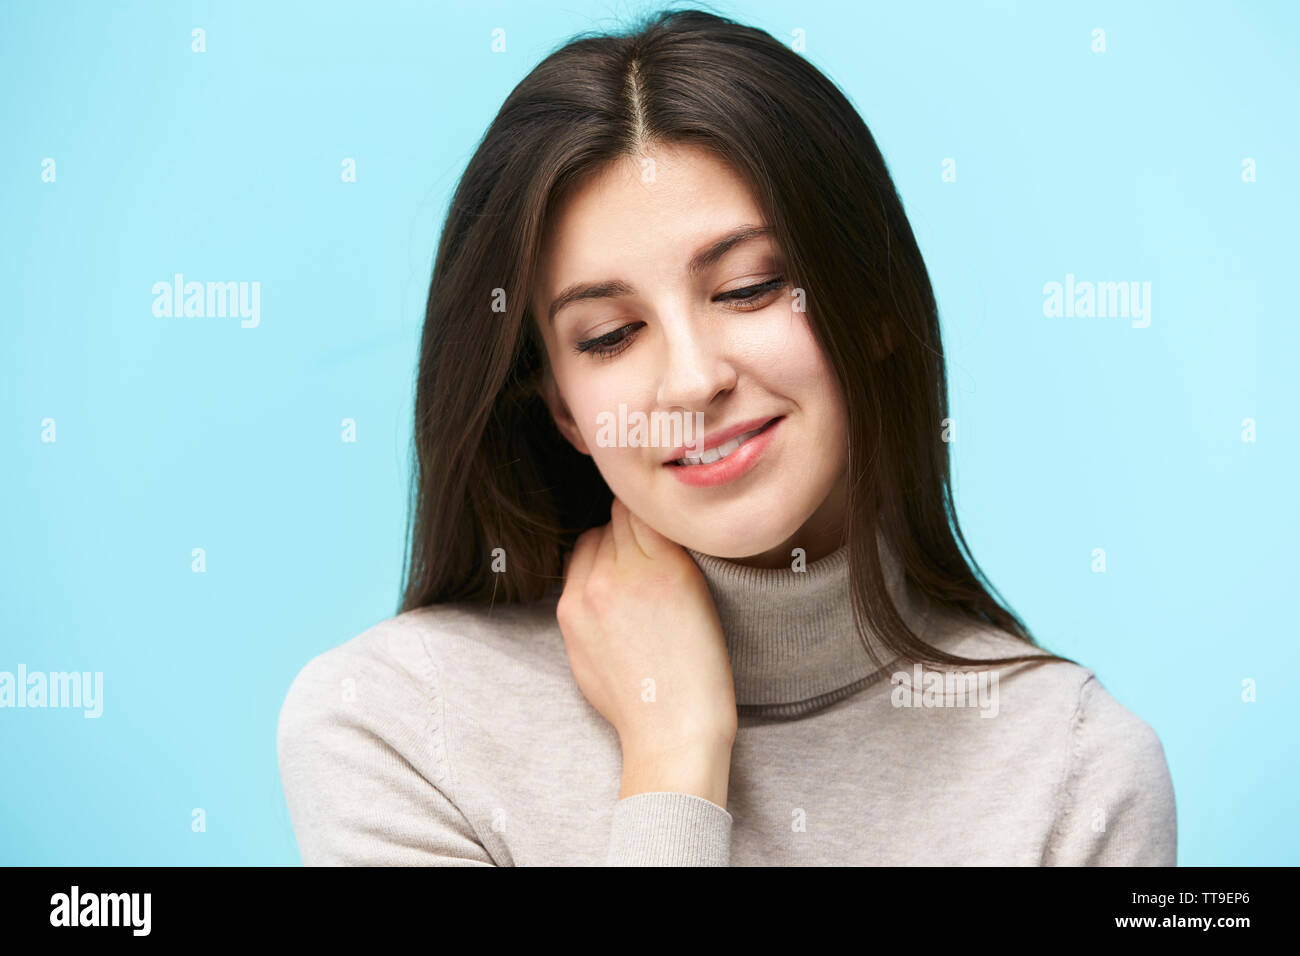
(765, 645)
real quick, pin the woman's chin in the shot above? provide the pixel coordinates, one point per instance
(752, 544)
(763, 525)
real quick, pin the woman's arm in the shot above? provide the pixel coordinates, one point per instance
(647, 650)
(669, 828)
(672, 808)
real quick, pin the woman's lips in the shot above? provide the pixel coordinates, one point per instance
(731, 467)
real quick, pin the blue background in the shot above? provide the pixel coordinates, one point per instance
(173, 434)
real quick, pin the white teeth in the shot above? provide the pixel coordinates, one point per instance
(722, 451)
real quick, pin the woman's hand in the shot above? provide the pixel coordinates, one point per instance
(646, 649)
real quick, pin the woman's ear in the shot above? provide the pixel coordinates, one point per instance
(560, 411)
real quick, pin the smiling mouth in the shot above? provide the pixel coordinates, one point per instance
(711, 455)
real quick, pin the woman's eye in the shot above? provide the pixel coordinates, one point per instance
(609, 344)
(751, 293)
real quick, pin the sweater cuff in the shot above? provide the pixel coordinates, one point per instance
(664, 828)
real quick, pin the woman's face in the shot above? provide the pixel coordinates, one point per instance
(657, 331)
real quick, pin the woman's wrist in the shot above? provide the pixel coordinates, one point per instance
(700, 768)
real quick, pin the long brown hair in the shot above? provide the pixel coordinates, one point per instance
(492, 471)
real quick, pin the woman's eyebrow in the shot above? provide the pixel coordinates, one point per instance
(715, 250)
(612, 288)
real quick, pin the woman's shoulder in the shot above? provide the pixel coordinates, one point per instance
(386, 672)
(362, 744)
(1060, 694)
(1114, 791)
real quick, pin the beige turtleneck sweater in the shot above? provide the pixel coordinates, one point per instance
(456, 735)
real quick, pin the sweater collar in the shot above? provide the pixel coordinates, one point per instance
(790, 634)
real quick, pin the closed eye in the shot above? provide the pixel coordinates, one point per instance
(611, 343)
(751, 292)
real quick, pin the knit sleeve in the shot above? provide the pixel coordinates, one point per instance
(1117, 797)
(359, 743)
(664, 828)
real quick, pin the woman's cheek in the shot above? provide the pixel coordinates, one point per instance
(780, 339)
(602, 440)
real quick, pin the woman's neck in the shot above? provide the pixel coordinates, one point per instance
(790, 631)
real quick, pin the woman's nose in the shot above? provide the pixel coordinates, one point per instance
(695, 371)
